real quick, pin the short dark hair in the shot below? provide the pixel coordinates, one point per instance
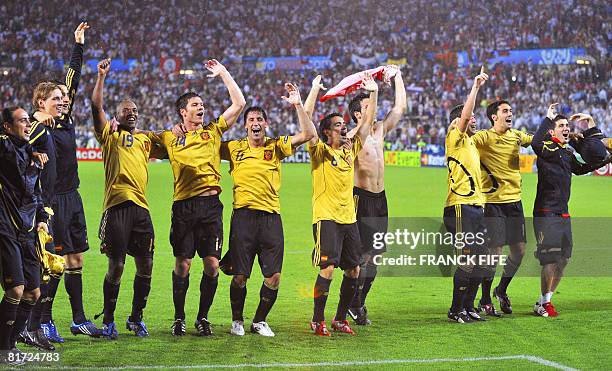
(325, 124)
(557, 118)
(255, 109)
(492, 108)
(181, 102)
(7, 114)
(125, 100)
(355, 104)
(455, 113)
(7, 117)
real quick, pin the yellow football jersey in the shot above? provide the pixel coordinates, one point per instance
(463, 162)
(332, 182)
(126, 157)
(194, 158)
(257, 171)
(499, 158)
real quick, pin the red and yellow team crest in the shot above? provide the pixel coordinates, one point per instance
(205, 135)
(268, 154)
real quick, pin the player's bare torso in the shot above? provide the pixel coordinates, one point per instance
(370, 162)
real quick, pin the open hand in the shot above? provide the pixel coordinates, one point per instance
(294, 95)
(583, 117)
(390, 72)
(45, 119)
(41, 158)
(368, 83)
(316, 83)
(79, 33)
(179, 130)
(552, 111)
(215, 68)
(114, 125)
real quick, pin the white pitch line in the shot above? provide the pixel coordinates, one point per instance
(533, 359)
(546, 362)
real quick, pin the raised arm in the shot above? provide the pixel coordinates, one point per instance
(541, 135)
(99, 116)
(307, 128)
(232, 113)
(399, 107)
(579, 168)
(371, 86)
(470, 102)
(73, 76)
(310, 104)
(312, 96)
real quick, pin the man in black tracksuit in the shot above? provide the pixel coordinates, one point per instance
(592, 145)
(21, 214)
(69, 226)
(552, 225)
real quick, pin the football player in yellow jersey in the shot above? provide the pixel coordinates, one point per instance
(126, 226)
(463, 211)
(197, 212)
(256, 228)
(335, 231)
(501, 178)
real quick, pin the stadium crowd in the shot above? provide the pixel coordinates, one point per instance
(229, 31)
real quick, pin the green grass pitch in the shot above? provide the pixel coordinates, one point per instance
(409, 314)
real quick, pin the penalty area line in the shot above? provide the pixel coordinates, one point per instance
(529, 358)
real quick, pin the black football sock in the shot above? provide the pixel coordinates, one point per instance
(237, 296)
(371, 271)
(111, 293)
(74, 287)
(142, 287)
(461, 281)
(347, 292)
(321, 292)
(208, 288)
(180, 286)
(487, 281)
(503, 284)
(267, 297)
(367, 285)
(358, 298)
(47, 304)
(34, 320)
(8, 314)
(473, 285)
(23, 313)
(512, 265)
